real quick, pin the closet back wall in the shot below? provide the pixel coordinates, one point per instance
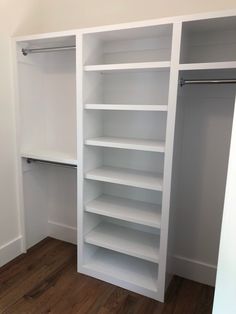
(34, 16)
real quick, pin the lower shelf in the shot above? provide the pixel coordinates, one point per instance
(124, 268)
(130, 177)
(127, 143)
(125, 240)
(126, 209)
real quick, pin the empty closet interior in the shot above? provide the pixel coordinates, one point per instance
(47, 139)
(140, 155)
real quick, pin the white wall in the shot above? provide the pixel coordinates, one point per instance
(66, 14)
(14, 15)
(225, 301)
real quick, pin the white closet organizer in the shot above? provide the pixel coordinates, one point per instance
(126, 85)
(47, 138)
(152, 155)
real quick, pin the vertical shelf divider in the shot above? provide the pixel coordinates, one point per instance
(170, 132)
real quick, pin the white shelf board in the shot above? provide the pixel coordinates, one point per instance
(130, 177)
(50, 156)
(208, 66)
(123, 268)
(125, 209)
(128, 66)
(126, 107)
(127, 143)
(125, 240)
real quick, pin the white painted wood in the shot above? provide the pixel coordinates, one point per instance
(141, 179)
(80, 93)
(19, 179)
(126, 107)
(10, 250)
(125, 209)
(126, 143)
(128, 66)
(212, 40)
(142, 87)
(123, 270)
(47, 98)
(46, 124)
(62, 232)
(208, 66)
(193, 269)
(145, 125)
(128, 69)
(170, 132)
(125, 240)
(225, 283)
(49, 196)
(50, 156)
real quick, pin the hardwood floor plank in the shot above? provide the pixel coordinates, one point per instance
(25, 264)
(49, 298)
(45, 280)
(29, 279)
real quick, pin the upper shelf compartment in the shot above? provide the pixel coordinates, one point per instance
(47, 99)
(129, 49)
(209, 41)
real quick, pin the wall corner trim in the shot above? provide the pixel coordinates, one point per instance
(62, 232)
(10, 250)
(194, 270)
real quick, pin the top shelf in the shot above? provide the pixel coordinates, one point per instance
(208, 66)
(128, 66)
(50, 157)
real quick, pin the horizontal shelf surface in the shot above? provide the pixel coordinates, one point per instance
(125, 209)
(50, 157)
(125, 240)
(128, 66)
(126, 143)
(122, 267)
(126, 107)
(208, 65)
(136, 178)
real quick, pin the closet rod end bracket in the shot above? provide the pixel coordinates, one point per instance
(181, 82)
(25, 51)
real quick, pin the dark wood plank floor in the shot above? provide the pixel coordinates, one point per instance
(45, 281)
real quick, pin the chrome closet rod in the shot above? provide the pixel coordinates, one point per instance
(27, 51)
(48, 162)
(207, 81)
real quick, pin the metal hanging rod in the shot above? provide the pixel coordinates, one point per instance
(47, 162)
(207, 81)
(27, 51)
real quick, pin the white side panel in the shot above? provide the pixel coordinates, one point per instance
(225, 301)
(170, 129)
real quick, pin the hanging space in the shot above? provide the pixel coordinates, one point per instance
(47, 131)
(202, 140)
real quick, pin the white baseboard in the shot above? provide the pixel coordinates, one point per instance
(10, 250)
(194, 270)
(62, 232)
